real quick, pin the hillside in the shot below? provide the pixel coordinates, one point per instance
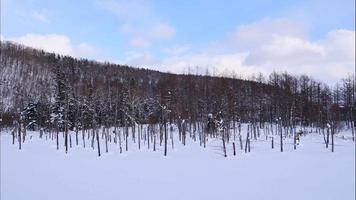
(78, 91)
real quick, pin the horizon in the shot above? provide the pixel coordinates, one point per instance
(245, 38)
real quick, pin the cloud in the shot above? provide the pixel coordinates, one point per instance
(285, 50)
(265, 46)
(126, 28)
(162, 31)
(251, 36)
(86, 50)
(140, 59)
(328, 59)
(138, 21)
(216, 63)
(60, 44)
(145, 36)
(144, 39)
(140, 43)
(41, 16)
(176, 50)
(125, 10)
(52, 42)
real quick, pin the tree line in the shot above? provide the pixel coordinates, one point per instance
(45, 90)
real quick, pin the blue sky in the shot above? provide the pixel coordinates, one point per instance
(227, 36)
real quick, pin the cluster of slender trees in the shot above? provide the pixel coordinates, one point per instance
(45, 90)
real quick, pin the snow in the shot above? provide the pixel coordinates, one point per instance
(39, 171)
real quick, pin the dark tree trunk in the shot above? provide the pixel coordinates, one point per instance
(19, 132)
(233, 146)
(281, 140)
(106, 141)
(98, 142)
(120, 147)
(66, 140)
(332, 139)
(57, 135)
(154, 142)
(224, 145)
(76, 136)
(165, 138)
(83, 135)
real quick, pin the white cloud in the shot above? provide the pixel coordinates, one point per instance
(86, 50)
(124, 9)
(140, 43)
(329, 59)
(53, 43)
(176, 50)
(141, 59)
(216, 63)
(219, 63)
(144, 38)
(285, 50)
(138, 21)
(41, 16)
(340, 44)
(266, 46)
(60, 44)
(250, 36)
(126, 28)
(162, 31)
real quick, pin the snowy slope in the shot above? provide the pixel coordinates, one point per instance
(39, 171)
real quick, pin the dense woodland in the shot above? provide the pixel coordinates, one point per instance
(50, 91)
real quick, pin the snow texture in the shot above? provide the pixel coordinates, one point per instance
(40, 172)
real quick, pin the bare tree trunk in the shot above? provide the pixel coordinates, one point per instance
(66, 140)
(332, 139)
(126, 138)
(224, 145)
(353, 130)
(165, 138)
(247, 137)
(148, 136)
(83, 136)
(98, 142)
(19, 132)
(92, 138)
(13, 135)
(120, 147)
(172, 138)
(24, 134)
(327, 137)
(70, 141)
(57, 134)
(76, 136)
(281, 140)
(139, 136)
(154, 142)
(233, 146)
(106, 141)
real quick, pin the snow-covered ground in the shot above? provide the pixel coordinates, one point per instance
(40, 172)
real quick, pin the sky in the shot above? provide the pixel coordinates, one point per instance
(223, 37)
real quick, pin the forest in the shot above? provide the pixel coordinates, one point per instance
(61, 94)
